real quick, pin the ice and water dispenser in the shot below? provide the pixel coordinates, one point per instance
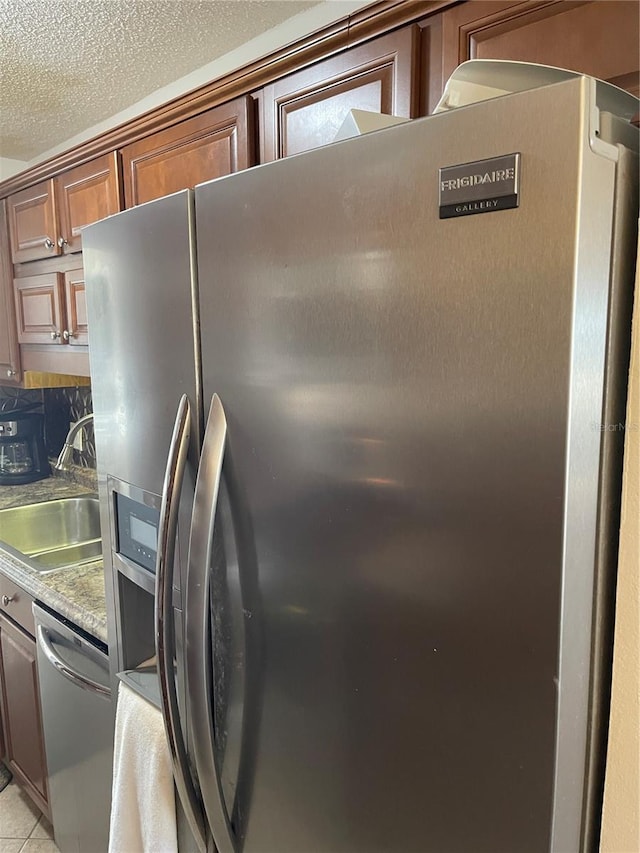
(134, 517)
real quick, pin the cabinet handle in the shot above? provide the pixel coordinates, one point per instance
(7, 599)
(11, 373)
(55, 335)
(66, 335)
(62, 242)
(48, 242)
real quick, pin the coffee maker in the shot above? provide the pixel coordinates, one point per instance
(23, 458)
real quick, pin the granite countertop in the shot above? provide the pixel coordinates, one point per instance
(77, 593)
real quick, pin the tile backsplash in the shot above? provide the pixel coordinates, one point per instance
(15, 399)
(61, 407)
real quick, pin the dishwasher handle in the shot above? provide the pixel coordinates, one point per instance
(77, 678)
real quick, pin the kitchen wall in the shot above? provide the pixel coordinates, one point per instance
(9, 167)
(61, 406)
(621, 812)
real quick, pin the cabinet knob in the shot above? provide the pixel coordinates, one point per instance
(55, 335)
(66, 335)
(6, 599)
(62, 242)
(10, 373)
(48, 242)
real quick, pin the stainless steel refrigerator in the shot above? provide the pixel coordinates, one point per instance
(395, 543)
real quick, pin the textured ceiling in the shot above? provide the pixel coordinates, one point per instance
(66, 65)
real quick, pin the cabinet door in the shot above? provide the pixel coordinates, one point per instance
(76, 331)
(85, 195)
(9, 349)
(39, 308)
(597, 38)
(216, 143)
(306, 109)
(21, 718)
(32, 223)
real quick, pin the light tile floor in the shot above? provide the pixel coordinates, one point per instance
(23, 829)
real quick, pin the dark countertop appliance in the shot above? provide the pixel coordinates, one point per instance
(23, 458)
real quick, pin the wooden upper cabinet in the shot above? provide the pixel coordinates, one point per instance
(77, 330)
(84, 195)
(51, 308)
(599, 38)
(32, 223)
(39, 308)
(45, 220)
(9, 349)
(306, 109)
(210, 145)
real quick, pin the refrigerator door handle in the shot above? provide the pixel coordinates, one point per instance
(199, 681)
(165, 629)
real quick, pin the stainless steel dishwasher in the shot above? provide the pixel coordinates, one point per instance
(78, 720)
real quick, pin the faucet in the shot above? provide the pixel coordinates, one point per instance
(66, 454)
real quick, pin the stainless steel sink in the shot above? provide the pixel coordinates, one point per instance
(55, 534)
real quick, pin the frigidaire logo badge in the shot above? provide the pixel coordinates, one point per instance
(480, 187)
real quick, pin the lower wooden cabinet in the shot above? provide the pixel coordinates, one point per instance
(21, 719)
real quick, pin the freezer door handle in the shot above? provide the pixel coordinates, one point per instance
(199, 681)
(72, 675)
(165, 629)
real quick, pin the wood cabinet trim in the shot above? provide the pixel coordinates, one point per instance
(377, 21)
(61, 263)
(10, 369)
(369, 23)
(47, 359)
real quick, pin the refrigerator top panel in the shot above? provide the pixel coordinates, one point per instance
(410, 482)
(138, 271)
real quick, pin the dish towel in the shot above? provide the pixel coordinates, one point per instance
(143, 808)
